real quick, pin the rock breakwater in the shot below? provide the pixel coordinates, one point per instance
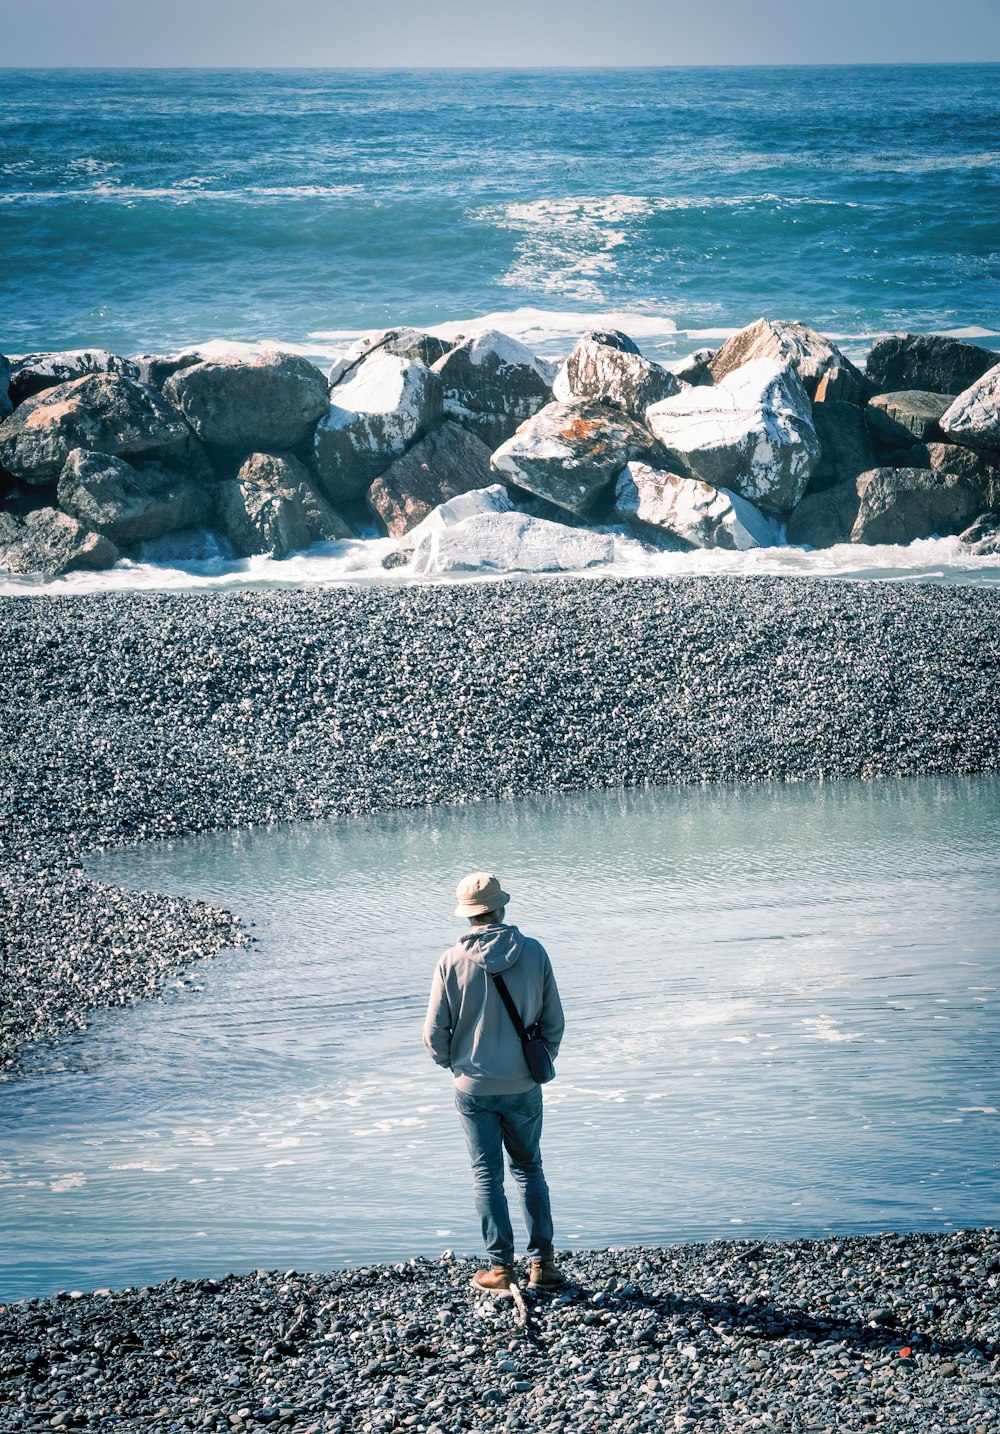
(892, 1332)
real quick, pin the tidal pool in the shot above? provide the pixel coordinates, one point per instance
(782, 1020)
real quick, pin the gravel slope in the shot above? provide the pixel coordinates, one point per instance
(132, 716)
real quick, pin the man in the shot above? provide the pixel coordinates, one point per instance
(469, 1031)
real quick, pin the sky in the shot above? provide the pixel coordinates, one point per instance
(329, 33)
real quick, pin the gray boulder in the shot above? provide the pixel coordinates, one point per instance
(404, 343)
(751, 433)
(899, 505)
(927, 361)
(51, 543)
(694, 368)
(905, 416)
(258, 520)
(271, 401)
(983, 537)
(974, 417)
(375, 414)
(792, 344)
(845, 446)
(491, 384)
(34, 373)
(570, 453)
(282, 472)
(982, 465)
(155, 369)
(130, 504)
(609, 366)
(841, 385)
(105, 413)
(824, 519)
(692, 511)
(6, 406)
(437, 468)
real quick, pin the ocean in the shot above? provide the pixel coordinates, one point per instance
(152, 209)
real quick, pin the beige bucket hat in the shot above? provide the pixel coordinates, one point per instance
(478, 893)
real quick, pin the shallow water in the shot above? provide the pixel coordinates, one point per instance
(783, 1020)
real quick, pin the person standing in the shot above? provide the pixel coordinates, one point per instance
(469, 1032)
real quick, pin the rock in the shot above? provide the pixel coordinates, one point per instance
(982, 465)
(899, 505)
(404, 343)
(974, 417)
(282, 471)
(693, 368)
(271, 401)
(751, 433)
(492, 499)
(841, 385)
(569, 453)
(445, 463)
(130, 504)
(688, 509)
(983, 537)
(378, 411)
(794, 344)
(491, 384)
(905, 416)
(927, 361)
(609, 366)
(258, 520)
(51, 543)
(825, 518)
(6, 406)
(511, 542)
(155, 369)
(105, 413)
(845, 446)
(34, 373)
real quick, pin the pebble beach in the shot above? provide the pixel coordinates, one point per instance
(131, 717)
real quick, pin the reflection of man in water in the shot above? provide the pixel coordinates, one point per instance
(469, 1031)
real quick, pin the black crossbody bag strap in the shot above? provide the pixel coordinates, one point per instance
(512, 1010)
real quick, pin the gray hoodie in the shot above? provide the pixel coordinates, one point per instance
(468, 1030)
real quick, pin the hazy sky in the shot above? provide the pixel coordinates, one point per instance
(329, 33)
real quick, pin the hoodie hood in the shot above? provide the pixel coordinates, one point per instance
(495, 948)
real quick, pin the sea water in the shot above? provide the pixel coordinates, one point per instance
(782, 1020)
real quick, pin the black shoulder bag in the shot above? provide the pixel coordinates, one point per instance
(536, 1052)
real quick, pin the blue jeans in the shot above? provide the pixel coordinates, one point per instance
(492, 1124)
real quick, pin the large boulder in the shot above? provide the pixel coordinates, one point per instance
(283, 472)
(511, 542)
(982, 465)
(51, 543)
(845, 445)
(983, 537)
(825, 518)
(34, 373)
(155, 369)
(899, 505)
(493, 499)
(927, 361)
(608, 365)
(690, 510)
(751, 433)
(445, 463)
(375, 414)
(974, 417)
(491, 384)
(130, 504)
(693, 368)
(792, 344)
(911, 414)
(5, 401)
(106, 413)
(258, 520)
(270, 401)
(570, 453)
(841, 385)
(404, 343)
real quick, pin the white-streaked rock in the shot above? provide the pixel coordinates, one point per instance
(609, 366)
(510, 542)
(492, 383)
(691, 510)
(494, 499)
(569, 453)
(383, 406)
(33, 373)
(751, 433)
(404, 343)
(808, 352)
(974, 417)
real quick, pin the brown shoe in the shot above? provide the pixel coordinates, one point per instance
(545, 1275)
(495, 1281)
